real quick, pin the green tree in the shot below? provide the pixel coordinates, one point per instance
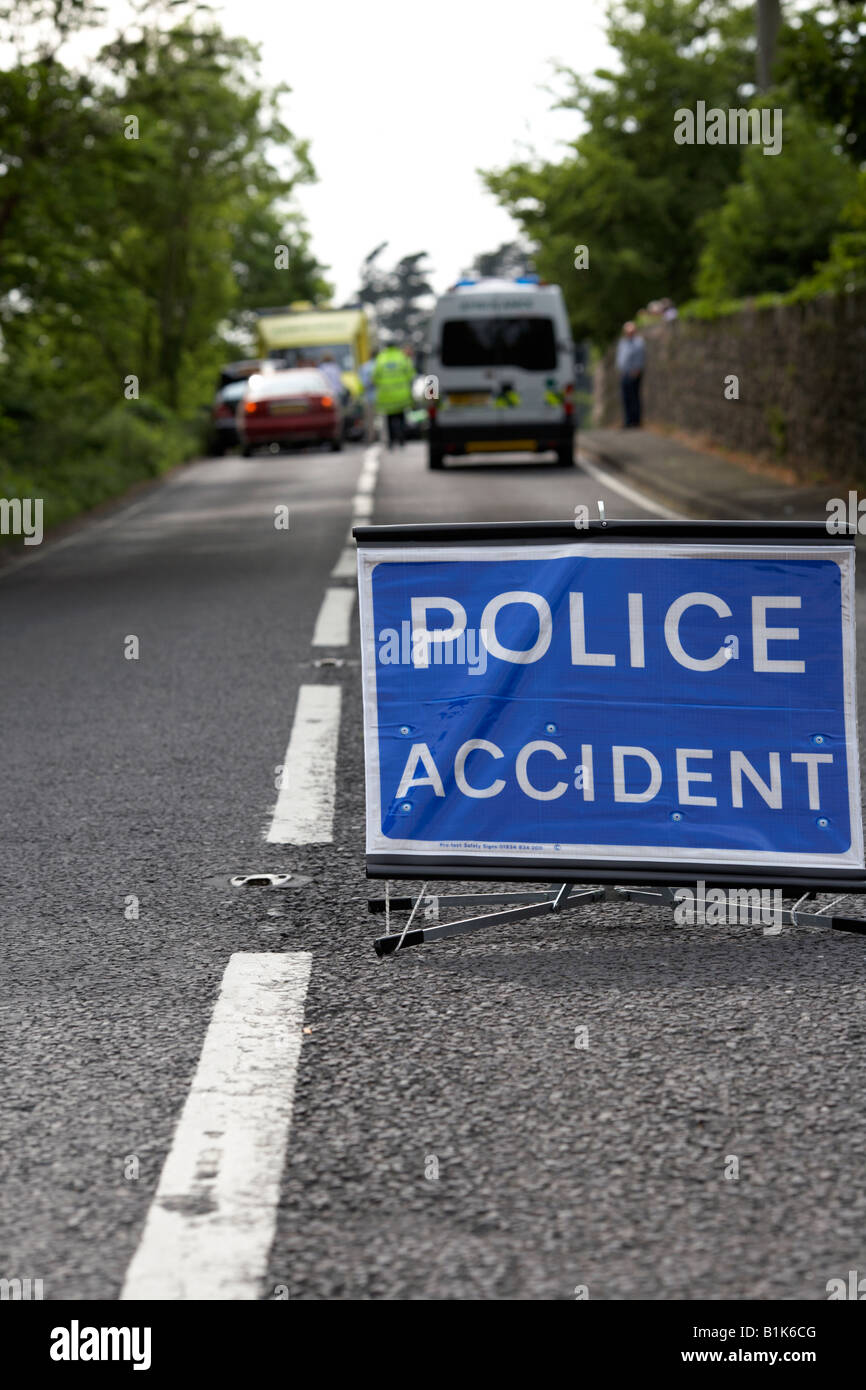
(627, 191)
(509, 260)
(204, 132)
(845, 267)
(822, 63)
(139, 201)
(400, 297)
(777, 221)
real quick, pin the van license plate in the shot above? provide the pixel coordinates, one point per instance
(498, 446)
(468, 397)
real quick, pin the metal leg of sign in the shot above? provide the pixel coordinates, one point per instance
(538, 905)
(660, 897)
(434, 901)
(793, 917)
(783, 917)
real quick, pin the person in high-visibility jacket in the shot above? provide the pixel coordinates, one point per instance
(393, 374)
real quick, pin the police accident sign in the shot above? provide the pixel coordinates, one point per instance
(675, 702)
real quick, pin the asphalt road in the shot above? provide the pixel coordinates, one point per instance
(559, 1167)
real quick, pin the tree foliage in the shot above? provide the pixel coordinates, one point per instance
(771, 231)
(400, 297)
(664, 219)
(626, 190)
(509, 260)
(142, 202)
(822, 63)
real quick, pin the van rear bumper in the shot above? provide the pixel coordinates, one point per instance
(510, 435)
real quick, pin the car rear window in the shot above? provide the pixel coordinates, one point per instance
(527, 342)
(299, 383)
(233, 391)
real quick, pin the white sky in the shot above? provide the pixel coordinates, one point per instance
(402, 100)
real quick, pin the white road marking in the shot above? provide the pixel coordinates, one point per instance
(363, 507)
(334, 622)
(347, 565)
(211, 1224)
(629, 493)
(304, 813)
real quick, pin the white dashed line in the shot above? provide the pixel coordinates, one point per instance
(304, 813)
(211, 1224)
(334, 623)
(347, 565)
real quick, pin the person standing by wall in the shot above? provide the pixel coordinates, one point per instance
(630, 362)
(393, 375)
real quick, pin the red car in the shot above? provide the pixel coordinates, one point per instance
(289, 407)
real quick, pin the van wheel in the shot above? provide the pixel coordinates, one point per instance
(435, 458)
(246, 450)
(336, 445)
(565, 456)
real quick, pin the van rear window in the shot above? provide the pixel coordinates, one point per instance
(499, 342)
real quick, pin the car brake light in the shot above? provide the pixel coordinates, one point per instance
(568, 402)
(327, 401)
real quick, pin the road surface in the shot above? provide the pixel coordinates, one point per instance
(428, 1127)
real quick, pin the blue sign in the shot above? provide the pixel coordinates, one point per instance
(681, 703)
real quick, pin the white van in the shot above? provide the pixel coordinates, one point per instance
(502, 354)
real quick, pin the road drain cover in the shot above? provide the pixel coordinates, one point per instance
(260, 880)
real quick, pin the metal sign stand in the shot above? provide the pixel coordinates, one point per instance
(540, 903)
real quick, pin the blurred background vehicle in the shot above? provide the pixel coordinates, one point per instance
(224, 434)
(288, 408)
(302, 335)
(238, 371)
(417, 419)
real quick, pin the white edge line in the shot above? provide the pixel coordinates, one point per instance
(629, 493)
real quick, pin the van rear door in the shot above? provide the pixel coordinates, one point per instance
(499, 363)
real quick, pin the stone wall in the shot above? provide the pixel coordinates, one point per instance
(801, 370)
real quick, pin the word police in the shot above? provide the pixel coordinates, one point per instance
(763, 632)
